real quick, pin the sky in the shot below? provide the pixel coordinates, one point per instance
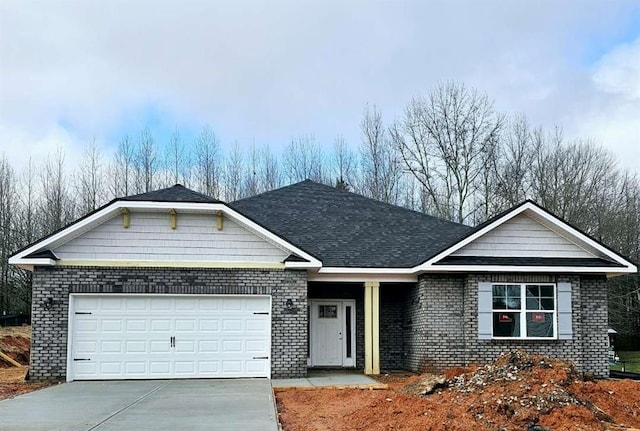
(263, 72)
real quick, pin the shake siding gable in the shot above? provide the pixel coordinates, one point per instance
(522, 236)
(150, 237)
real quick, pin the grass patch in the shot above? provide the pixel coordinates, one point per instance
(629, 360)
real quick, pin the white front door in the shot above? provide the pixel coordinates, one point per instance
(332, 335)
(165, 336)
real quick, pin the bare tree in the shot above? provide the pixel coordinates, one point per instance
(177, 160)
(146, 162)
(123, 168)
(233, 174)
(442, 140)
(268, 170)
(57, 207)
(89, 179)
(7, 204)
(381, 168)
(208, 171)
(304, 159)
(343, 164)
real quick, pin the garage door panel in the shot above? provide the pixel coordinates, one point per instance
(136, 347)
(159, 346)
(208, 346)
(136, 325)
(208, 325)
(112, 304)
(87, 303)
(160, 325)
(160, 367)
(232, 325)
(87, 347)
(136, 367)
(255, 325)
(131, 337)
(111, 368)
(185, 325)
(111, 346)
(256, 346)
(256, 305)
(111, 325)
(86, 326)
(160, 304)
(136, 304)
(183, 304)
(208, 367)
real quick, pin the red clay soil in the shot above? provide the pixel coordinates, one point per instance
(16, 343)
(506, 395)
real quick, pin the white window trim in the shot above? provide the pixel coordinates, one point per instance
(523, 311)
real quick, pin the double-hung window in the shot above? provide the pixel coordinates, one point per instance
(524, 310)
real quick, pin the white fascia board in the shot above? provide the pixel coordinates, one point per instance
(347, 270)
(31, 262)
(428, 265)
(188, 206)
(350, 275)
(545, 269)
(302, 265)
(361, 277)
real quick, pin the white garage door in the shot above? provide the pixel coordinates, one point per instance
(157, 337)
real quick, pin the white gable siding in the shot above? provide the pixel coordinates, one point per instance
(522, 237)
(150, 238)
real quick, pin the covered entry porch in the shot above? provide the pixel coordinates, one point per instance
(357, 325)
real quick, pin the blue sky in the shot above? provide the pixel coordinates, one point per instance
(266, 72)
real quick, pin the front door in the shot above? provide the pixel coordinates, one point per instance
(332, 333)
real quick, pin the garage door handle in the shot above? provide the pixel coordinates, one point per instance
(83, 312)
(260, 357)
(261, 312)
(81, 359)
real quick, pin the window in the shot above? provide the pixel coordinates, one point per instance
(328, 311)
(524, 311)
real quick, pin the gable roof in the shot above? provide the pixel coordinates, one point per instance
(177, 198)
(344, 229)
(176, 193)
(604, 258)
(339, 232)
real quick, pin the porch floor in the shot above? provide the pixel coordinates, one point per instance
(330, 378)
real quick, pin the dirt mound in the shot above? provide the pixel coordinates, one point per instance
(15, 342)
(518, 391)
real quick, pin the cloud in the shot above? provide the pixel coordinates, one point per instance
(618, 72)
(266, 71)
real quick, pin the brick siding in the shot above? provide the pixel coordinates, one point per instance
(441, 324)
(49, 327)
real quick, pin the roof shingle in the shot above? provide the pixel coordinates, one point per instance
(177, 193)
(348, 230)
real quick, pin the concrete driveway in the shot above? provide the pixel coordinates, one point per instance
(172, 405)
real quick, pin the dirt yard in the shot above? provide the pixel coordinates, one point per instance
(15, 342)
(517, 392)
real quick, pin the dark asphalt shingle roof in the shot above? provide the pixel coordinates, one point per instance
(177, 193)
(348, 230)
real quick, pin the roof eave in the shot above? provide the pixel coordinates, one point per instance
(608, 271)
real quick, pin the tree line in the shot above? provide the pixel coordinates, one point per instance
(450, 153)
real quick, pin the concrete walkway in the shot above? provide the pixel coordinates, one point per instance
(171, 405)
(330, 378)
